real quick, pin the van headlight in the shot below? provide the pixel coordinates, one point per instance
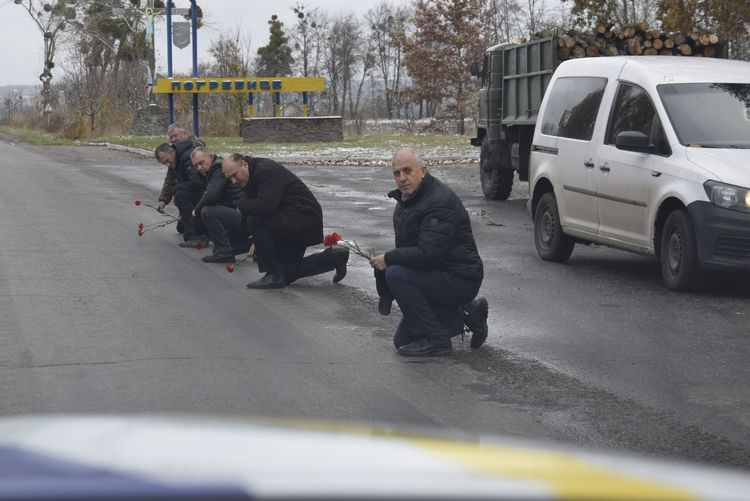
(727, 196)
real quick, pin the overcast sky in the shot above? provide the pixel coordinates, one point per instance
(21, 50)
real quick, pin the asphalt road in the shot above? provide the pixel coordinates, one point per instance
(596, 351)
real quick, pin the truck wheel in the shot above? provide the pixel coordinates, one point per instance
(679, 253)
(551, 243)
(496, 183)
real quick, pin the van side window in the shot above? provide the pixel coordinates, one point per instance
(633, 111)
(572, 107)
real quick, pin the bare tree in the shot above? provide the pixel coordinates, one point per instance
(85, 92)
(386, 22)
(51, 19)
(341, 60)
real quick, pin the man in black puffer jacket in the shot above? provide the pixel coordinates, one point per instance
(183, 184)
(435, 270)
(218, 209)
(284, 218)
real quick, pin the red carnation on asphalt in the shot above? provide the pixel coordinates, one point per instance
(198, 245)
(230, 268)
(137, 203)
(140, 226)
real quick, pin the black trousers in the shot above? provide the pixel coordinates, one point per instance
(277, 254)
(224, 226)
(185, 201)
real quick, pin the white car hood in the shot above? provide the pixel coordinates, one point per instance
(731, 166)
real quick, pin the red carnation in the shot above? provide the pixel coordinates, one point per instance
(332, 239)
(137, 203)
(198, 245)
(140, 226)
(140, 232)
(230, 268)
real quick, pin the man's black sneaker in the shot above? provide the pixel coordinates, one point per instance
(435, 345)
(340, 258)
(269, 281)
(215, 258)
(475, 319)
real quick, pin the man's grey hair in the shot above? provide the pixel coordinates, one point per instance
(401, 153)
(174, 126)
(163, 148)
(200, 149)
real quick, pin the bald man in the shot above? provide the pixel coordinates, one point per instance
(434, 272)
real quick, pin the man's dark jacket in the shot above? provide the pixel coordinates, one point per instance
(219, 191)
(282, 201)
(433, 231)
(183, 176)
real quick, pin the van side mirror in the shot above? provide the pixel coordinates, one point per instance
(633, 140)
(474, 70)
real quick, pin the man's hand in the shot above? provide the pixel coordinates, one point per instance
(378, 262)
(160, 206)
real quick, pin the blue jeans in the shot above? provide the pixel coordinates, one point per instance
(430, 301)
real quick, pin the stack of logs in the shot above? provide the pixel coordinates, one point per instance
(611, 40)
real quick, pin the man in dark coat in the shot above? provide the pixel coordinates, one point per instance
(284, 218)
(218, 209)
(435, 270)
(183, 184)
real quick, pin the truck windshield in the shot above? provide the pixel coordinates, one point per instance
(710, 115)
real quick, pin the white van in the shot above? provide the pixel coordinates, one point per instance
(649, 154)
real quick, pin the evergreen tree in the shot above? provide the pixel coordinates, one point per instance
(275, 59)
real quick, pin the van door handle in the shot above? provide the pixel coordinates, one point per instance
(604, 168)
(589, 164)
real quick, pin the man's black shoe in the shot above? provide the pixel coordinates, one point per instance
(269, 281)
(475, 319)
(340, 258)
(384, 305)
(215, 258)
(434, 345)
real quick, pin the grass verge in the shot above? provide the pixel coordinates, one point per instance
(35, 136)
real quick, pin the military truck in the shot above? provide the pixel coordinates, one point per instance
(514, 78)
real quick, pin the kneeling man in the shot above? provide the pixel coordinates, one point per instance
(217, 209)
(435, 270)
(284, 218)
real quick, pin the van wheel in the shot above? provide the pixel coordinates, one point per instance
(551, 243)
(679, 253)
(496, 183)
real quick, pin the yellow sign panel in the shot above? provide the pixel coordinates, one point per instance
(245, 85)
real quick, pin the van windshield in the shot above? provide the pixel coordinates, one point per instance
(711, 115)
